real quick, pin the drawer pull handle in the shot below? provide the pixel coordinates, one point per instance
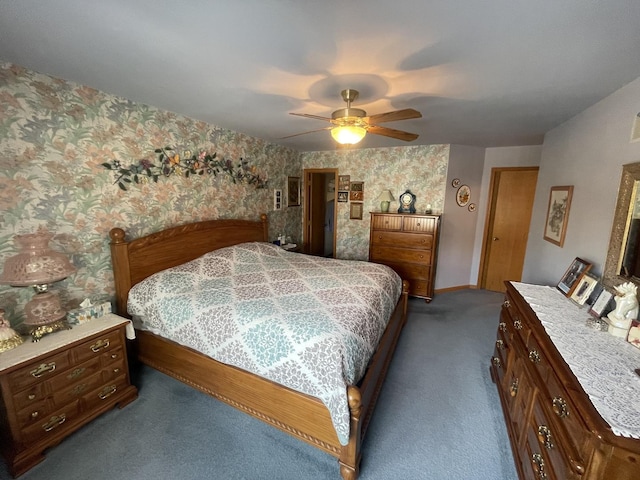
(31, 396)
(517, 324)
(418, 224)
(114, 356)
(100, 345)
(54, 422)
(76, 373)
(107, 392)
(499, 344)
(544, 435)
(496, 361)
(502, 326)
(538, 466)
(513, 389)
(506, 304)
(116, 370)
(560, 407)
(35, 414)
(43, 369)
(534, 356)
(78, 389)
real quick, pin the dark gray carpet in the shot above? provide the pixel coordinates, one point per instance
(438, 417)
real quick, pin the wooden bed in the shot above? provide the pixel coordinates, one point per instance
(298, 414)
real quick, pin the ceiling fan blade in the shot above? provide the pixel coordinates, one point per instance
(304, 133)
(307, 115)
(404, 114)
(390, 132)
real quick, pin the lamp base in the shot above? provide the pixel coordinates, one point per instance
(384, 206)
(39, 332)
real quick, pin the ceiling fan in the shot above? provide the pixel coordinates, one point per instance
(350, 125)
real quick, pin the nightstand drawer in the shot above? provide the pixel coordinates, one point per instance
(98, 346)
(38, 371)
(49, 424)
(105, 391)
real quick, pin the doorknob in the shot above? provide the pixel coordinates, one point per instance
(495, 239)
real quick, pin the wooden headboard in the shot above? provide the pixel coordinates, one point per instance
(135, 260)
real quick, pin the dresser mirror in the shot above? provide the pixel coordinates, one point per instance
(623, 257)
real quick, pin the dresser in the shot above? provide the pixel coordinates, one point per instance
(55, 386)
(569, 394)
(408, 243)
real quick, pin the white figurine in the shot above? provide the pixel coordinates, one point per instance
(626, 310)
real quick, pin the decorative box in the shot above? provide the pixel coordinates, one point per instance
(87, 312)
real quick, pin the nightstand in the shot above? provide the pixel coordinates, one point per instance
(55, 386)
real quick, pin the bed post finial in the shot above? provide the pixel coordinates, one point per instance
(117, 235)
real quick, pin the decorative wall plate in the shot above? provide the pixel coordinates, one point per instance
(455, 183)
(472, 207)
(463, 195)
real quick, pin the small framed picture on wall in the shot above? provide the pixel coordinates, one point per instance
(355, 210)
(293, 191)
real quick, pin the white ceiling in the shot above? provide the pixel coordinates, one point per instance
(481, 72)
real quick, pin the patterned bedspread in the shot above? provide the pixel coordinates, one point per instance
(309, 323)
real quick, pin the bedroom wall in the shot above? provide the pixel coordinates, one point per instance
(421, 169)
(497, 157)
(54, 136)
(458, 224)
(588, 152)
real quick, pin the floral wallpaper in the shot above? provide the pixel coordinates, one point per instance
(55, 137)
(421, 169)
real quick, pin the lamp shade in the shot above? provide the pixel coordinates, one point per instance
(348, 134)
(36, 263)
(385, 196)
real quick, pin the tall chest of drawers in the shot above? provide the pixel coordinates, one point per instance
(555, 429)
(55, 386)
(408, 243)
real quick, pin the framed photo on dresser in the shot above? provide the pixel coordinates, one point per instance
(571, 278)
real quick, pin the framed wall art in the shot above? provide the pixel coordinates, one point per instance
(463, 195)
(356, 192)
(573, 275)
(555, 227)
(355, 210)
(344, 182)
(293, 191)
(343, 196)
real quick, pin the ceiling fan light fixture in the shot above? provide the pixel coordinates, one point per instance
(348, 134)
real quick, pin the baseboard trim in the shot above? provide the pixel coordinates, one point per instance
(453, 289)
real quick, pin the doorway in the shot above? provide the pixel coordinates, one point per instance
(511, 195)
(320, 215)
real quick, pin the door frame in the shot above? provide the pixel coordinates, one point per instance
(490, 216)
(307, 207)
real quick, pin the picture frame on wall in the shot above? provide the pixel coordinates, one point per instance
(343, 182)
(355, 210)
(555, 227)
(293, 191)
(343, 197)
(356, 192)
(583, 289)
(573, 275)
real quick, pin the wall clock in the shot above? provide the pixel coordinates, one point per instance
(407, 203)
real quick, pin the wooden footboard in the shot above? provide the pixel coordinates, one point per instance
(300, 415)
